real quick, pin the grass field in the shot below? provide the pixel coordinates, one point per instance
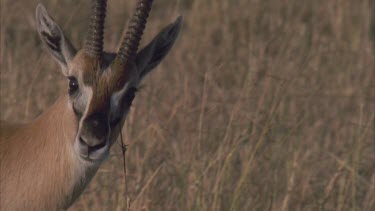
(261, 105)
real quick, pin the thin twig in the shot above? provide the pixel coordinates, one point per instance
(123, 149)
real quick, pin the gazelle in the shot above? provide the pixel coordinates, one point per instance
(46, 164)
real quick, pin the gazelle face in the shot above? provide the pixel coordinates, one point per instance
(100, 103)
(102, 86)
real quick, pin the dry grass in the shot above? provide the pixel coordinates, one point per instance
(261, 105)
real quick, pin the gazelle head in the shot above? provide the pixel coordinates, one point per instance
(102, 85)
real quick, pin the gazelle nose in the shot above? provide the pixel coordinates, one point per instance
(95, 126)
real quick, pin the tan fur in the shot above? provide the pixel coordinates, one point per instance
(39, 169)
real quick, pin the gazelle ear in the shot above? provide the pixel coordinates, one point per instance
(151, 55)
(52, 36)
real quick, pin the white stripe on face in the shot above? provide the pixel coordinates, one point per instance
(85, 99)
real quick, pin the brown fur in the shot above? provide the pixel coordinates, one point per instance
(39, 170)
(90, 70)
(102, 82)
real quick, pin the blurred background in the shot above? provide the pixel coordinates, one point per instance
(260, 105)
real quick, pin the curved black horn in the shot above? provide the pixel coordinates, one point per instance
(129, 45)
(94, 40)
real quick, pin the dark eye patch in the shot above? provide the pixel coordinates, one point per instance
(129, 96)
(115, 121)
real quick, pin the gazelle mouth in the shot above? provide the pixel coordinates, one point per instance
(92, 148)
(92, 153)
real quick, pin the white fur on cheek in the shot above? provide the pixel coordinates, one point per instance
(115, 101)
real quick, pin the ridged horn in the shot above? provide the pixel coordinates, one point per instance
(137, 24)
(94, 40)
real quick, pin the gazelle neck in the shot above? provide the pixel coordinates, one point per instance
(46, 163)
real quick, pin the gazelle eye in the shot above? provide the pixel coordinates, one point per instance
(73, 85)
